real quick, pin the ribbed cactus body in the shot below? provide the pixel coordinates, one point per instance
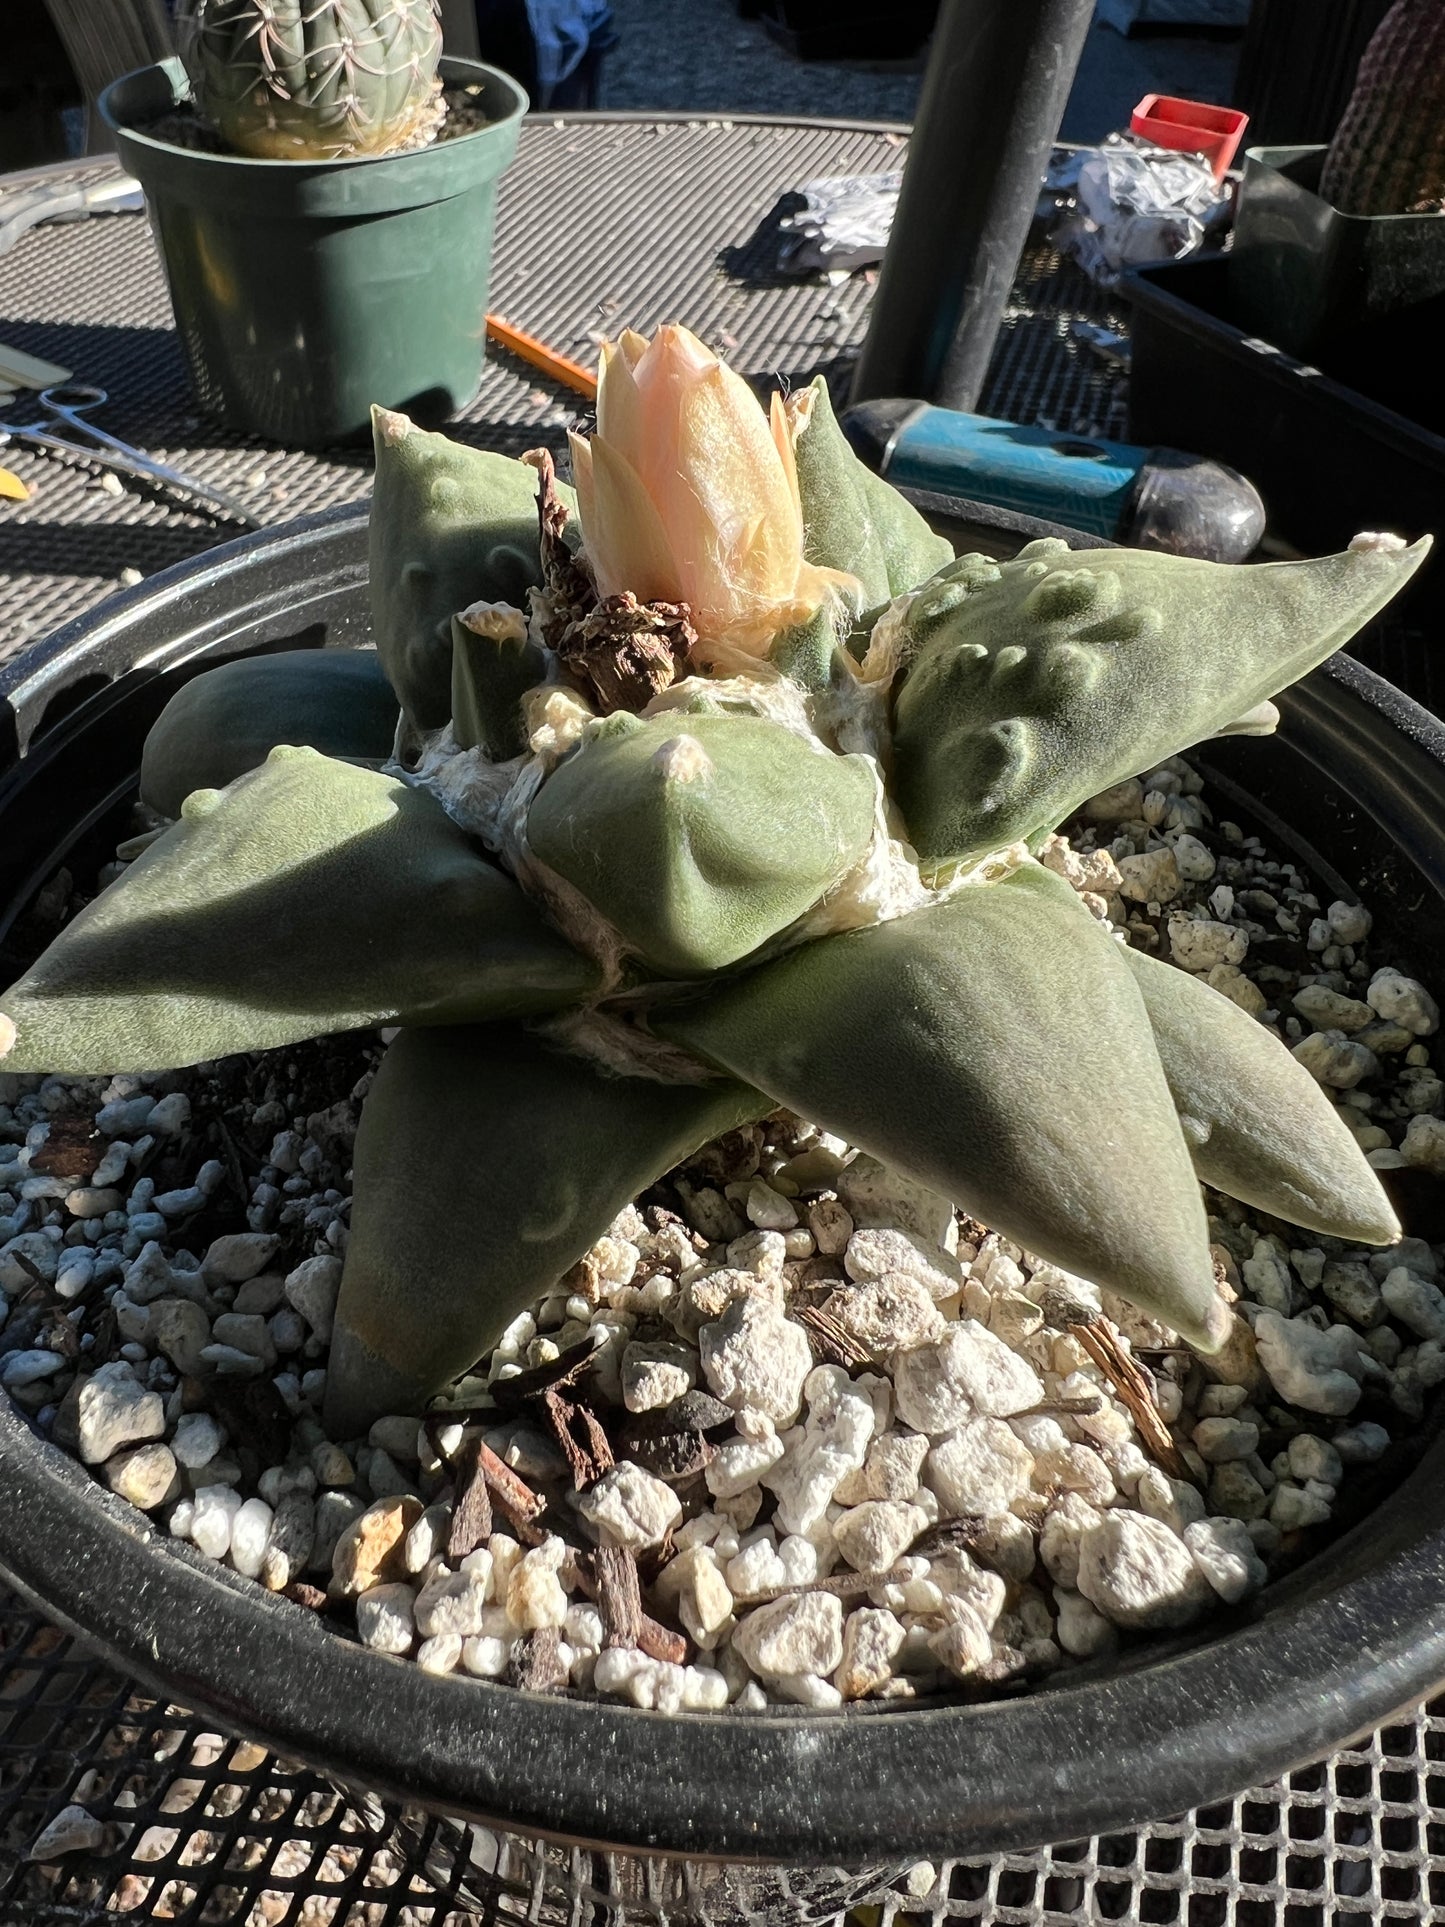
(314, 79)
(1388, 154)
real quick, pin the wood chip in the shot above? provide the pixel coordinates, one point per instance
(513, 1494)
(844, 1585)
(1129, 1379)
(72, 1150)
(511, 1394)
(831, 1344)
(300, 1594)
(536, 1662)
(619, 1595)
(578, 1431)
(471, 1523)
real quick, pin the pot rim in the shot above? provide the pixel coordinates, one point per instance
(1334, 1649)
(172, 69)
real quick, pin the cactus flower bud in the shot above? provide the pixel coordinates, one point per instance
(689, 493)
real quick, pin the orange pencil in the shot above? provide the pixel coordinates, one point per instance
(527, 347)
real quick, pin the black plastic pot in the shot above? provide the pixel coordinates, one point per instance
(1358, 772)
(304, 291)
(1330, 448)
(1306, 276)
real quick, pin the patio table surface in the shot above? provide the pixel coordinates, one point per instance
(605, 221)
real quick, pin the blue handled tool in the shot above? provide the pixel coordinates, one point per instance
(1147, 498)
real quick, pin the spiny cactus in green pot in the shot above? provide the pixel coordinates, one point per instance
(314, 79)
(743, 809)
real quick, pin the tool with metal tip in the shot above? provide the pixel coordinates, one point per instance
(1146, 498)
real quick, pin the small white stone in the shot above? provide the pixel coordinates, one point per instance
(872, 1536)
(1335, 1060)
(536, 1596)
(440, 1654)
(454, 1602)
(831, 1224)
(146, 1476)
(768, 1209)
(1139, 1574)
(629, 1507)
(1217, 1440)
(879, 1254)
(486, 1656)
(872, 1638)
(967, 1371)
(893, 1464)
(73, 1830)
(1361, 1444)
(1225, 1553)
(115, 1409)
(802, 1633)
(1320, 1371)
(886, 1315)
(1423, 1147)
(1400, 1000)
(963, 1644)
(384, 1618)
(738, 1464)
(755, 1357)
(832, 1444)
(1198, 944)
(215, 1508)
(654, 1373)
(702, 1597)
(1081, 1628)
(180, 1330)
(1291, 1507)
(1152, 877)
(1348, 922)
(250, 1529)
(312, 1290)
(1061, 1537)
(1195, 860)
(1419, 1305)
(1326, 1009)
(239, 1255)
(809, 1689)
(28, 1368)
(981, 1467)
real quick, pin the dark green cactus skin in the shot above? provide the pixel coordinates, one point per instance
(537, 1153)
(309, 896)
(227, 720)
(1246, 1107)
(490, 676)
(1038, 682)
(700, 837)
(449, 526)
(906, 1039)
(313, 79)
(1388, 153)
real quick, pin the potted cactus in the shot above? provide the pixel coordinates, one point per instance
(1331, 239)
(757, 752)
(322, 185)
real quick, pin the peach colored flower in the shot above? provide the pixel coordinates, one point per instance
(689, 493)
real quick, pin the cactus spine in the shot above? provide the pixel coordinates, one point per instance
(1388, 153)
(315, 79)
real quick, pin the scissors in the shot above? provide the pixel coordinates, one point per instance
(68, 404)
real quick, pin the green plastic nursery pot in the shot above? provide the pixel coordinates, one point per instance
(1301, 274)
(304, 291)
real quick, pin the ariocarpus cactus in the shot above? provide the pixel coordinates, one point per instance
(618, 906)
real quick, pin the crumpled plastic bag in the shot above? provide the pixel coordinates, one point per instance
(1125, 203)
(842, 226)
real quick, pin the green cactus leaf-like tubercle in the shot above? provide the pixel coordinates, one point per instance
(852, 518)
(995, 1047)
(701, 837)
(1259, 1127)
(313, 79)
(310, 896)
(493, 666)
(1038, 682)
(450, 526)
(486, 1165)
(228, 719)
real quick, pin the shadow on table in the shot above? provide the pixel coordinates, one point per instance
(138, 367)
(755, 263)
(103, 549)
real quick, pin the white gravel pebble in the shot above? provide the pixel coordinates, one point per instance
(73, 1830)
(1319, 1371)
(801, 1633)
(115, 1409)
(756, 1358)
(214, 1511)
(25, 1368)
(823, 1452)
(630, 1507)
(1419, 1305)
(1139, 1574)
(967, 1371)
(250, 1529)
(1226, 1555)
(384, 1618)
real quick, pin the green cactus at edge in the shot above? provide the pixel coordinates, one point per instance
(314, 79)
(812, 889)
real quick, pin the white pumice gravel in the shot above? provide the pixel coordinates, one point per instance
(956, 1500)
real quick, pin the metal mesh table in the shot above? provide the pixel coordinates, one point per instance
(605, 221)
